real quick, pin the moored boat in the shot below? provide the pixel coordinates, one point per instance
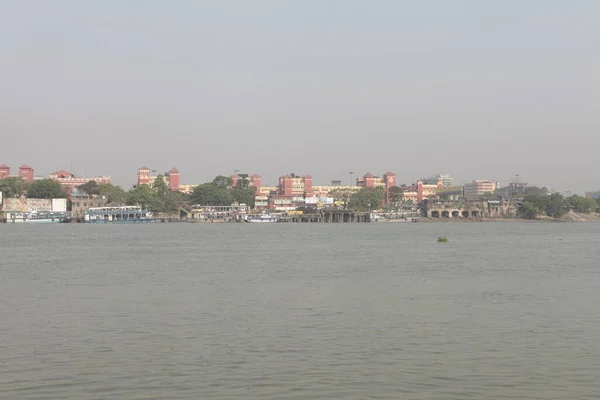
(37, 217)
(117, 215)
(261, 218)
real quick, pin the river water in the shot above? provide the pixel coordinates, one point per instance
(300, 311)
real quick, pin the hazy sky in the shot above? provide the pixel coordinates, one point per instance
(477, 89)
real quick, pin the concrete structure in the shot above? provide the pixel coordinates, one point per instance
(24, 204)
(68, 181)
(475, 189)
(81, 201)
(470, 209)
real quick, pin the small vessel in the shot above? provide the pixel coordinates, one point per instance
(37, 217)
(117, 215)
(261, 218)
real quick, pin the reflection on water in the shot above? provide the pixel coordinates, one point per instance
(284, 311)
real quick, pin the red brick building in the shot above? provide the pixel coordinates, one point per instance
(171, 178)
(68, 181)
(253, 180)
(4, 171)
(25, 172)
(295, 186)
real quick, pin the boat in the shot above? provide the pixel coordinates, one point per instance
(37, 217)
(261, 218)
(117, 215)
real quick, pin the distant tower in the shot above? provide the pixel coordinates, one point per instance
(26, 172)
(255, 181)
(308, 190)
(419, 191)
(143, 176)
(4, 171)
(174, 180)
(389, 181)
(368, 180)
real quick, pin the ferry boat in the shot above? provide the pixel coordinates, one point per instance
(261, 218)
(117, 215)
(37, 217)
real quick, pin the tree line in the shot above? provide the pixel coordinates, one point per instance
(555, 205)
(219, 192)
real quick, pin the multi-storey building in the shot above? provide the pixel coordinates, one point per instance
(25, 172)
(81, 201)
(252, 180)
(420, 191)
(446, 180)
(68, 181)
(477, 188)
(144, 177)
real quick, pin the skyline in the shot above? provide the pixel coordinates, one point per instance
(478, 91)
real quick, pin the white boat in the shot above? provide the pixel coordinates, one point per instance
(261, 218)
(117, 215)
(37, 217)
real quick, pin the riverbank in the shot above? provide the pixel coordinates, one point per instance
(571, 216)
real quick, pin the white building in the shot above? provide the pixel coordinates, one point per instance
(475, 189)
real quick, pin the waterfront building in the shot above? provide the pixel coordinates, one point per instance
(81, 202)
(477, 188)
(68, 181)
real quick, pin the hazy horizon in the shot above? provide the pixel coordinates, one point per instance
(478, 90)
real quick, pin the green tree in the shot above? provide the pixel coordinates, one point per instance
(143, 196)
(14, 186)
(528, 210)
(222, 182)
(160, 187)
(46, 189)
(554, 206)
(209, 194)
(396, 194)
(367, 198)
(114, 194)
(91, 187)
(244, 195)
(583, 205)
